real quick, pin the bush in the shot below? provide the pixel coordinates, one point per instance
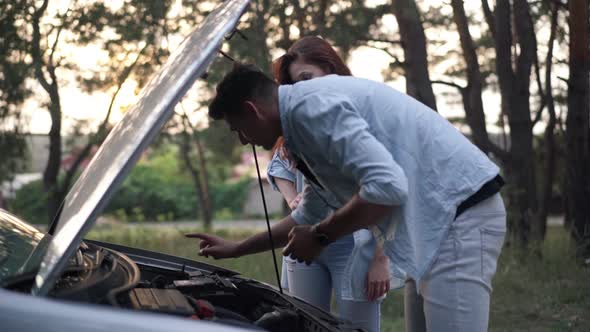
(151, 195)
(148, 194)
(228, 198)
(30, 203)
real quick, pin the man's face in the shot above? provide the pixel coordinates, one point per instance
(252, 126)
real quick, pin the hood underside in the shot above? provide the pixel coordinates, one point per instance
(130, 137)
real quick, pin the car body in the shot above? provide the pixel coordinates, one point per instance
(56, 281)
(109, 287)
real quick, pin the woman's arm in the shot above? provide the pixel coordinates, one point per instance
(289, 192)
(283, 178)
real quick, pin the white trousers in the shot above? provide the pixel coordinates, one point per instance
(455, 292)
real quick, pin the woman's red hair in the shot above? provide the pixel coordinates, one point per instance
(311, 50)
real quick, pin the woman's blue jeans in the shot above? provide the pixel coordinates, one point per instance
(314, 283)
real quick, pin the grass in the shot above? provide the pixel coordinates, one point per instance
(548, 294)
(530, 294)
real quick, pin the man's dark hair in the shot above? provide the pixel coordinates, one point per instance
(244, 82)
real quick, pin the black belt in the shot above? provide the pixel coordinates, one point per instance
(489, 189)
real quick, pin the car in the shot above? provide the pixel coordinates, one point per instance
(57, 281)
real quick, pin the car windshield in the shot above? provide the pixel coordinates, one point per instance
(22, 247)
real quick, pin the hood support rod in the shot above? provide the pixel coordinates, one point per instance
(272, 244)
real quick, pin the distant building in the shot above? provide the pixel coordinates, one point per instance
(38, 152)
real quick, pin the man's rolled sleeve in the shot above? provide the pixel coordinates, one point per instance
(384, 193)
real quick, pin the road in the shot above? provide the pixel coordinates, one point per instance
(242, 224)
(245, 224)
(252, 224)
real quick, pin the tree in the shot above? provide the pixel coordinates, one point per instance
(413, 41)
(578, 126)
(14, 70)
(199, 173)
(474, 107)
(514, 78)
(45, 64)
(84, 24)
(548, 173)
(472, 92)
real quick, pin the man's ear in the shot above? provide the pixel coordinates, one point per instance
(251, 108)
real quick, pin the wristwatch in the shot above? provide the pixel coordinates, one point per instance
(322, 238)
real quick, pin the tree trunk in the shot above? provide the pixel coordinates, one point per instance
(578, 127)
(514, 89)
(51, 173)
(285, 41)
(319, 19)
(199, 175)
(413, 39)
(262, 55)
(549, 169)
(489, 16)
(205, 197)
(300, 17)
(185, 148)
(474, 112)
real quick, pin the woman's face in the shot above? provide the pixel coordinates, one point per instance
(301, 71)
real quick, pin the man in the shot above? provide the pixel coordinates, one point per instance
(427, 194)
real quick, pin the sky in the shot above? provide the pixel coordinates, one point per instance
(364, 62)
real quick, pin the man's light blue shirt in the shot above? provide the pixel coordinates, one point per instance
(360, 136)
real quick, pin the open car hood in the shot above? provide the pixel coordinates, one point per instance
(125, 143)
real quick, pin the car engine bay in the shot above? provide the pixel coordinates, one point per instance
(135, 279)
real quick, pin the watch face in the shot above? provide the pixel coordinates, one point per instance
(322, 239)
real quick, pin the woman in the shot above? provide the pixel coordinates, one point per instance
(308, 58)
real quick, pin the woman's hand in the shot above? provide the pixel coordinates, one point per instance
(378, 276)
(215, 246)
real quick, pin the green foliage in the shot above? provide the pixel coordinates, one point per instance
(135, 32)
(13, 150)
(30, 203)
(230, 197)
(155, 190)
(222, 150)
(14, 69)
(148, 193)
(349, 26)
(158, 190)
